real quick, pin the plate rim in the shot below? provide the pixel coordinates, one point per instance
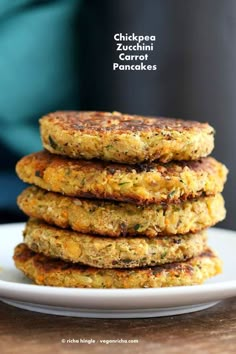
(22, 288)
(176, 289)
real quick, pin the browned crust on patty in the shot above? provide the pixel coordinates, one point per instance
(47, 271)
(117, 219)
(125, 138)
(106, 252)
(148, 183)
(92, 121)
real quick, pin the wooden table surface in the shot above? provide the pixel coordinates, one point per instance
(209, 331)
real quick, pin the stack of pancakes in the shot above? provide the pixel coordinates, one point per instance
(120, 201)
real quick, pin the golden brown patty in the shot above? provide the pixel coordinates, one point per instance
(53, 272)
(120, 219)
(106, 252)
(125, 138)
(147, 183)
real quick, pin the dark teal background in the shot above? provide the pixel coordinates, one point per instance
(38, 70)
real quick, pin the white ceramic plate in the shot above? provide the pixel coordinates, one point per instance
(18, 291)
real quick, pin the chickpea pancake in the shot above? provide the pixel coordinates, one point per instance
(106, 252)
(44, 270)
(140, 184)
(125, 138)
(117, 219)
